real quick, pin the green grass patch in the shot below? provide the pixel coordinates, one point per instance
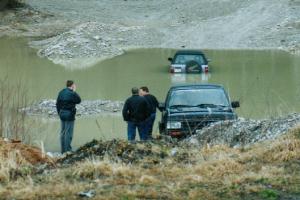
(269, 194)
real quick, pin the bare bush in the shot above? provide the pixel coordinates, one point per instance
(13, 97)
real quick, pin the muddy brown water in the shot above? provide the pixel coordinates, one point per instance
(266, 82)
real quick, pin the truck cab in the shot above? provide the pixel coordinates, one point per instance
(189, 108)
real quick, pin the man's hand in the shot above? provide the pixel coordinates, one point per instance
(74, 87)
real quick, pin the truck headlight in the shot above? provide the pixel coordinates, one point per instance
(173, 125)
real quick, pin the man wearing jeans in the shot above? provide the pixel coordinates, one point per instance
(135, 112)
(153, 103)
(66, 109)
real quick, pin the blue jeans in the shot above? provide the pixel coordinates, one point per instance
(66, 135)
(150, 123)
(131, 130)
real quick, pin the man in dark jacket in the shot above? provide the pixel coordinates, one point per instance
(152, 101)
(66, 109)
(135, 112)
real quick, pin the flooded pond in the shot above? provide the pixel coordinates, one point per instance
(265, 82)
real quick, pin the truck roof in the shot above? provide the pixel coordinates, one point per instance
(189, 86)
(189, 51)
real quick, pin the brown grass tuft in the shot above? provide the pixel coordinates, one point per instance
(92, 169)
(148, 180)
(218, 169)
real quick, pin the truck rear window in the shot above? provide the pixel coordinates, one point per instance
(183, 59)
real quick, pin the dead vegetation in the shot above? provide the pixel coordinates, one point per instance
(13, 97)
(267, 170)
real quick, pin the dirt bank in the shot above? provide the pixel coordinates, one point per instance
(240, 133)
(164, 170)
(77, 31)
(22, 152)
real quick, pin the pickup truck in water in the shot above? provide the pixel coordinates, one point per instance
(189, 61)
(189, 108)
(9, 3)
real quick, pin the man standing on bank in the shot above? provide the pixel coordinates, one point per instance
(153, 103)
(135, 112)
(66, 109)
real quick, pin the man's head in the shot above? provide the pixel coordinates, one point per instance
(70, 84)
(135, 91)
(144, 90)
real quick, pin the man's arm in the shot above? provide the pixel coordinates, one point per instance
(125, 111)
(157, 104)
(76, 98)
(58, 104)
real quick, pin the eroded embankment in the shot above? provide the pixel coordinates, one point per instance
(166, 170)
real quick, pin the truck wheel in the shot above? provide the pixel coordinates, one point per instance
(3, 4)
(193, 67)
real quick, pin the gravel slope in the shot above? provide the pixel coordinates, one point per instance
(98, 29)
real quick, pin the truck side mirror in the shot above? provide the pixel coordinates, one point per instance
(235, 104)
(162, 106)
(208, 60)
(170, 59)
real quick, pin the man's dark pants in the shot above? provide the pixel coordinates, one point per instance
(149, 125)
(66, 135)
(131, 130)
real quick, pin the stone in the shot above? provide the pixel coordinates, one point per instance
(47, 108)
(88, 194)
(97, 37)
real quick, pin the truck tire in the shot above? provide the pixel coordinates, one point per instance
(193, 67)
(3, 4)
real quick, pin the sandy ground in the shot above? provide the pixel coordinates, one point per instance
(78, 33)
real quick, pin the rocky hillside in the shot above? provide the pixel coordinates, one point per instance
(100, 29)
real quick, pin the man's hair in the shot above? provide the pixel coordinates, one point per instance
(135, 90)
(69, 83)
(145, 89)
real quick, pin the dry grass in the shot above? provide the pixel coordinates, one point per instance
(267, 170)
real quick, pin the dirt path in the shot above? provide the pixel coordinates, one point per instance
(78, 31)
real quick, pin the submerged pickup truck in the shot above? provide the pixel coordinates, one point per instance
(189, 61)
(188, 108)
(3, 4)
(6, 3)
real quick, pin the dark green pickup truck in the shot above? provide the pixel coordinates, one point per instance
(189, 108)
(3, 4)
(7, 3)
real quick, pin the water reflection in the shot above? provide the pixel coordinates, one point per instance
(182, 78)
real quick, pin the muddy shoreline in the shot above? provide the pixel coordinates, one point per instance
(89, 108)
(85, 34)
(234, 133)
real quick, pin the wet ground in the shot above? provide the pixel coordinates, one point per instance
(265, 82)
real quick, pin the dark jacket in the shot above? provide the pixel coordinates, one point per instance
(152, 101)
(136, 109)
(66, 104)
